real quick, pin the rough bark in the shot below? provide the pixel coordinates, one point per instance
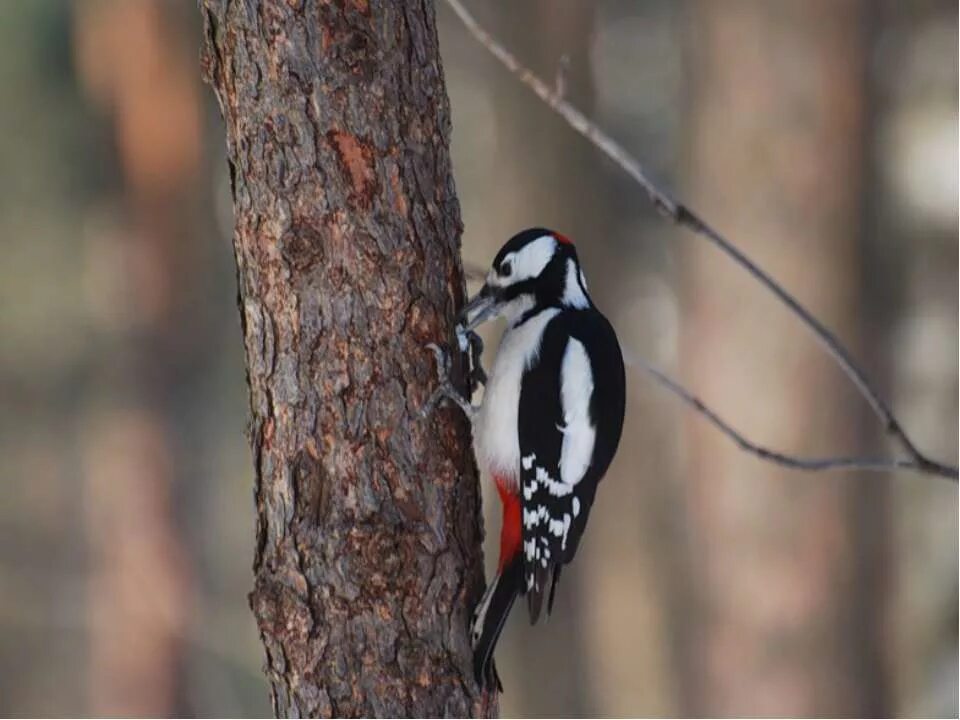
(368, 555)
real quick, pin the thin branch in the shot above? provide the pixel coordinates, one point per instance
(683, 216)
(778, 458)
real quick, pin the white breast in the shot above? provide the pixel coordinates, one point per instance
(496, 438)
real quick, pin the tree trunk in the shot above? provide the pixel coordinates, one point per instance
(786, 627)
(141, 586)
(368, 554)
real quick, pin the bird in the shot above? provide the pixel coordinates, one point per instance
(548, 424)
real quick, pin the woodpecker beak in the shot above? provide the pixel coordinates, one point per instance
(482, 307)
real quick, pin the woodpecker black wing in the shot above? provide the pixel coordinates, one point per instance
(570, 419)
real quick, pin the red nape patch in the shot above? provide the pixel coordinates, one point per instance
(511, 534)
(563, 238)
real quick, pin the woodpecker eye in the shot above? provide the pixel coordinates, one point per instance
(506, 268)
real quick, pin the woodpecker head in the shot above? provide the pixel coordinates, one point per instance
(536, 268)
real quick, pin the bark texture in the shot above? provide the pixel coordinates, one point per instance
(368, 555)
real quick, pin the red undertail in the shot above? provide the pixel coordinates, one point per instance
(511, 534)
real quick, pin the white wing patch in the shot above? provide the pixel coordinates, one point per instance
(579, 434)
(529, 549)
(555, 488)
(560, 527)
(532, 518)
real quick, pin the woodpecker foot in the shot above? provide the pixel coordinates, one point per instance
(475, 345)
(445, 389)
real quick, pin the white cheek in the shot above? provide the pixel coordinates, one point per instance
(532, 259)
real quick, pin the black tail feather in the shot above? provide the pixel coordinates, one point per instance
(535, 593)
(542, 577)
(507, 586)
(553, 587)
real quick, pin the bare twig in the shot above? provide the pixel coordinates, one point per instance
(683, 216)
(790, 461)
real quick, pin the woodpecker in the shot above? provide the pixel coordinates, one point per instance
(548, 424)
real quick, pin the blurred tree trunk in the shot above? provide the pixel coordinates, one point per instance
(911, 294)
(368, 555)
(790, 620)
(141, 585)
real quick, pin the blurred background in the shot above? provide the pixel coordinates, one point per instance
(821, 136)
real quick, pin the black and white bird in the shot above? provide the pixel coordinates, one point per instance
(549, 422)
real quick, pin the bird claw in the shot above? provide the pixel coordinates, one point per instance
(444, 386)
(443, 361)
(477, 374)
(445, 389)
(471, 343)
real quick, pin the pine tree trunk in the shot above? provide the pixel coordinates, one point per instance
(368, 556)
